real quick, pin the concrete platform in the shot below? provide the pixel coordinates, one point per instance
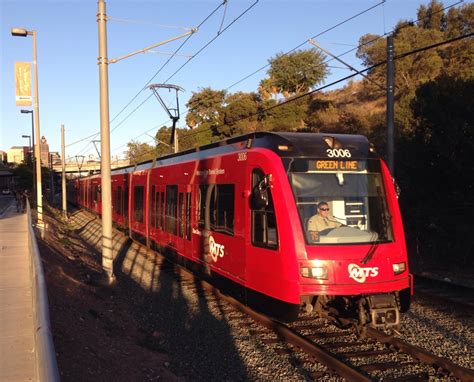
(17, 357)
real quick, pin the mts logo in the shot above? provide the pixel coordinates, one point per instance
(360, 274)
(216, 250)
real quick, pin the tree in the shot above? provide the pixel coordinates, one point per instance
(205, 108)
(267, 90)
(289, 116)
(435, 173)
(139, 152)
(240, 114)
(432, 16)
(297, 72)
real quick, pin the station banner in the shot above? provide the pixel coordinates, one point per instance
(23, 84)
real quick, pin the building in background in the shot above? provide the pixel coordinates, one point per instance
(44, 147)
(55, 158)
(17, 154)
(7, 179)
(3, 157)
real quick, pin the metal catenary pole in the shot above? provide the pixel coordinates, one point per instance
(63, 178)
(390, 104)
(107, 254)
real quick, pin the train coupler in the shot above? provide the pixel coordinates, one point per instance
(383, 311)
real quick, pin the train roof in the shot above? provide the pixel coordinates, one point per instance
(295, 145)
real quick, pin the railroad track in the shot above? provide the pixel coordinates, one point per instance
(314, 342)
(311, 341)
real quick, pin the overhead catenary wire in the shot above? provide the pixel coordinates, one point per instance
(338, 81)
(190, 58)
(293, 99)
(169, 59)
(319, 34)
(348, 51)
(212, 40)
(151, 79)
(130, 21)
(306, 41)
(144, 133)
(220, 32)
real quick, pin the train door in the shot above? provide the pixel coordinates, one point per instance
(183, 242)
(157, 200)
(262, 239)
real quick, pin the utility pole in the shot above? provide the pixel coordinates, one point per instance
(106, 189)
(103, 62)
(390, 104)
(63, 179)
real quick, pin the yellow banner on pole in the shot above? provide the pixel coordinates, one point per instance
(23, 84)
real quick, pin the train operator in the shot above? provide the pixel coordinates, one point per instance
(321, 221)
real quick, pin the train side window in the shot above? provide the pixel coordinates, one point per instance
(171, 209)
(138, 193)
(153, 207)
(264, 226)
(220, 205)
(188, 215)
(119, 201)
(224, 211)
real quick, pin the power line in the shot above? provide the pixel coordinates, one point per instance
(342, 79)
(189, 59)
(348, 51)
(213, 39)
(397, 57)
(145, 132)
(306, 41)
(220, 32)
(167, 61)
(182, 66)
(253, 73)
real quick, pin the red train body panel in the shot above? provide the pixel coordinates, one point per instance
(240, 208)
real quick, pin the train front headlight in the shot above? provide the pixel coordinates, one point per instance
(318, 273)
(399, 268)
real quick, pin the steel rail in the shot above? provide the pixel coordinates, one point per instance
(292, 337)
(463, 373)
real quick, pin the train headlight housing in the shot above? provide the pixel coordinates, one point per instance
(318, 273)
(399, 268)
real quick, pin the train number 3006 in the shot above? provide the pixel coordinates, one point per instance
(338, 153)
(242, 156)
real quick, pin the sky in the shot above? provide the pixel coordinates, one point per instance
(67, 51)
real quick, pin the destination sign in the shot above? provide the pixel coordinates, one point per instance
(337, 165)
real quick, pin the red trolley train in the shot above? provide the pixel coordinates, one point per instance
(239, 209)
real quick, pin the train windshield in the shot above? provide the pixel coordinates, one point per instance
(341, 202)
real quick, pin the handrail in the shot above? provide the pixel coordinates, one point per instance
(46, 368)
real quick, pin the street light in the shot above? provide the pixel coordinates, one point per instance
(33, 157)
(29, 142)
(21, 32)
